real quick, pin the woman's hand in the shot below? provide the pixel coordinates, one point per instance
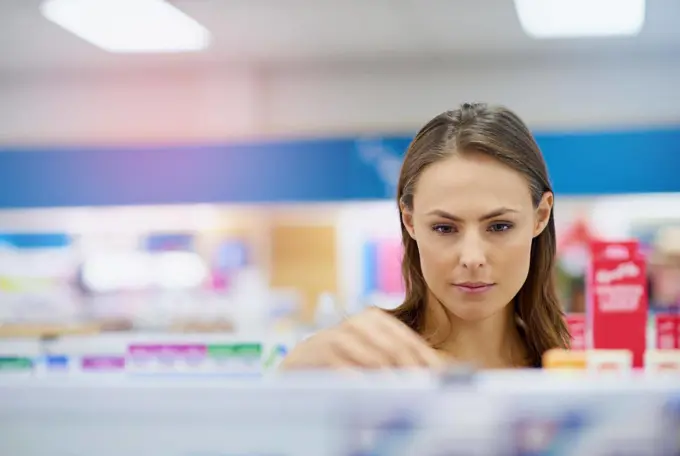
(371, 340)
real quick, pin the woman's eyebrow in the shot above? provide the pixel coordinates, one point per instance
(495, 213)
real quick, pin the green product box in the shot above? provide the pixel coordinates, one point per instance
(15, 364)
(252, 350)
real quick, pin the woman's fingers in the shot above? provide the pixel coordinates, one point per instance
(351, 348)
(382, 336)
(410, 342)
(372, 340)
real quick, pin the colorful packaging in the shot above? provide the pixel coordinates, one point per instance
(53, 364)
(600, 361)
(662, 361)
(195, 358)
(616, 288)
(165, 358)
(577, 328)
(565, 359)
(102, 364)
(612, 361)
(16, 365)
(667, 332)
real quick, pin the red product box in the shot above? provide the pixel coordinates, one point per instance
(667, 332)
(616, 290)
(577, 328)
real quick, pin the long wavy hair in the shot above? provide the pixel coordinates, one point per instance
(501, 134)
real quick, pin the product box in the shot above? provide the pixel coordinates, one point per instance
(195, 358)
(667, 331)
(55, 364)
(662, 361)
(578, 330)
(17, 356)
(16, 365)
(599, 361)
(612, 361)
(616, 290)
(557, 358)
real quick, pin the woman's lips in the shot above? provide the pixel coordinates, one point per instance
(474, 288)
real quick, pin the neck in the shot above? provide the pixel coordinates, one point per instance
(492, 343)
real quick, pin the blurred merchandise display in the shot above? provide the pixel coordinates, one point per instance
(382, 267)
(328, 313)
(57, 284)
(209, 270)
(188, 354)
(499, 413)
(578, 329)
(665, 269)
(37, 275)
(382, 281)
(668, 331)
(573, 253)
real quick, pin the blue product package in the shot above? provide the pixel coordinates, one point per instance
(231, 255)
(56, 362)
(165, 242)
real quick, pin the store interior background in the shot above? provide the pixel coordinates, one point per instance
(179, 241)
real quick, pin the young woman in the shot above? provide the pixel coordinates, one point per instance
(479, 241)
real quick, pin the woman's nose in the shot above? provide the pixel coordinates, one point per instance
(472, 255)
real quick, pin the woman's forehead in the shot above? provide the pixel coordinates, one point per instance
(467, 182)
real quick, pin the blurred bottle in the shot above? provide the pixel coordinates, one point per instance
(251, 299)
(327, 313)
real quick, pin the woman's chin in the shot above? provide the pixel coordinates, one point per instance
(474, 312)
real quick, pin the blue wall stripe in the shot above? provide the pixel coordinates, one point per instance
(308, 170)
(35, 240)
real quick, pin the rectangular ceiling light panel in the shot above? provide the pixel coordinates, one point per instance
(129, 26)
(544, 19)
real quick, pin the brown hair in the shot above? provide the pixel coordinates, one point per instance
(501, 134)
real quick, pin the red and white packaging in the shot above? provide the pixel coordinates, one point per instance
(577, 328)
(610, 361)
(662, 361)
(616, 290)
(667, 332)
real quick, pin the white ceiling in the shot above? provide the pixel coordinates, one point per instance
(312, 31)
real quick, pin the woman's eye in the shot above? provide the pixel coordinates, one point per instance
(498, 227)
(443, 229)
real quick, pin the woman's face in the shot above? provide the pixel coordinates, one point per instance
(474, 222)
